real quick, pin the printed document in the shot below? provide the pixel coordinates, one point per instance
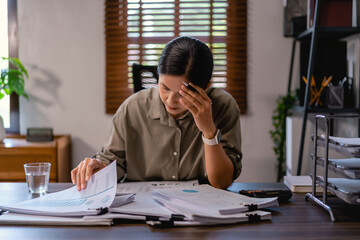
(206, 198)
(137, 187)
(26, 219)
(210, 216)
(143, 205)
(99, 194)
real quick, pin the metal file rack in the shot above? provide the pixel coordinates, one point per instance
(346, 188)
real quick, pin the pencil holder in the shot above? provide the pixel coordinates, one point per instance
(349, 99)
(335, 96)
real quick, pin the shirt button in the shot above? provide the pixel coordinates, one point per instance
(175, 153)
(173, 177)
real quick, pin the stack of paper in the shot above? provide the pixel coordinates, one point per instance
(156, 207)
(137, 187)
(69, 206)
(26, 219)
(210, 205)
(143, 205)
(169, 203)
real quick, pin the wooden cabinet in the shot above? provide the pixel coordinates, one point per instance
(15, 151)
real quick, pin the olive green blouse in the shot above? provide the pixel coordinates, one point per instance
(150, 145)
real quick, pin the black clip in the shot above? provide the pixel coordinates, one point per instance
(151, 218)
(252, 207)
(161, 223)
(167, 224)
(177, 217)
(254, 217)
(103, 210)
(3, 212)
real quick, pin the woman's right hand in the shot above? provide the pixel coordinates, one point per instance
(82, 173)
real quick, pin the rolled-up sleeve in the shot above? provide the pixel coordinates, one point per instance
(231, 142)
(114, 147)
(227, 119)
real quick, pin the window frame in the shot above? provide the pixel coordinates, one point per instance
(13, 52)
(117, 40)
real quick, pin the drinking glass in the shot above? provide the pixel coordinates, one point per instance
(37, 176)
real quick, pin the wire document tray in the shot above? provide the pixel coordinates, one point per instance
(349, 147)
(348, 167)
(348, 188)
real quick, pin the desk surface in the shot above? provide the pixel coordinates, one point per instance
(296, 219)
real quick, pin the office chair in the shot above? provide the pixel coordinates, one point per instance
(144, 76)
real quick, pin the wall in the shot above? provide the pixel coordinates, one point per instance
(62, 44)
(268, 69)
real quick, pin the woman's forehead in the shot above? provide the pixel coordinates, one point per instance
(172, 79)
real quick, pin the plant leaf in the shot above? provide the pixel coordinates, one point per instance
(16, 62)
(13, 79)
(7, 91)
(278, 135)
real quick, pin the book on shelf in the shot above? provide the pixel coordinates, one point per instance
(335, 13)
(300, 184)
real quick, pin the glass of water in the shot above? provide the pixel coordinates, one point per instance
(37, 176)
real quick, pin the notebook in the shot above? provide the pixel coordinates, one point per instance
(302, 184)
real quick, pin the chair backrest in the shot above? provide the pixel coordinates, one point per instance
(144, 76)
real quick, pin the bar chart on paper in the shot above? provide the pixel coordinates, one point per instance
(56, 202)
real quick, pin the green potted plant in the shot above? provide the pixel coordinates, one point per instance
(12, 79)
(278, 135)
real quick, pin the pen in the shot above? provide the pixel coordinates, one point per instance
(190, 87)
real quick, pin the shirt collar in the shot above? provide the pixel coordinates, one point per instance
(157, 108)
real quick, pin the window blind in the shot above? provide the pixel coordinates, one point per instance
(137, 31)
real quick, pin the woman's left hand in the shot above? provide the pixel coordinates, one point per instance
(199, 104)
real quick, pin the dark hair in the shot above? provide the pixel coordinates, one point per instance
(187, 56)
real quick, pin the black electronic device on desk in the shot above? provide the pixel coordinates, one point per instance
(39, 135)
(262, 190)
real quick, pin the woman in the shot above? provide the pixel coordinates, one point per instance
(173, 132)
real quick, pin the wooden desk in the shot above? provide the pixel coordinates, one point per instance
(15, 151)
(296, 219)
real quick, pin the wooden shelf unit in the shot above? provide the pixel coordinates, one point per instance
(15, 151)
(315, 34)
